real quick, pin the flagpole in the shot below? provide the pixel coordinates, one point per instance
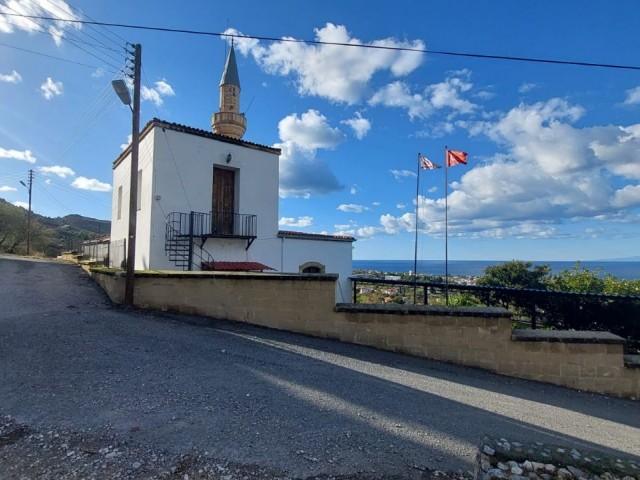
(415, 251)
(446, 227)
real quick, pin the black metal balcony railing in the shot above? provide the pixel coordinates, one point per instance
(183, 228)
(214, 224)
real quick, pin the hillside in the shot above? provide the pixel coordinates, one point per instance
(49, 236)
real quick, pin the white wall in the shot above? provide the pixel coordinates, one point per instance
(177, 176)
(121, 178)
(184, 181)
(335, 255)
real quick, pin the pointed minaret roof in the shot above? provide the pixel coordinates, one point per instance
(230, 74)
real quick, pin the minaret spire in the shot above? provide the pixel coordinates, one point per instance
(229, 121)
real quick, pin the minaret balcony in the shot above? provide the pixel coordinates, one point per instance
(229, 123)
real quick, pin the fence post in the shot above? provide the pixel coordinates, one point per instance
(425, 298)
(534, 319)
(355, 290)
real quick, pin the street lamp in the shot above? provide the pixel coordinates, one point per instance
(121, 89)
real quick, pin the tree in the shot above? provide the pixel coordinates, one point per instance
(578, 279)
(516, 274)
(13, 227)
(580, 312)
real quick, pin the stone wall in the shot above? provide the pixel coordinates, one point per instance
(472, 336)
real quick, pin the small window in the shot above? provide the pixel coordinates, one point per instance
(119, 202)
(311, 270)
(312, 267)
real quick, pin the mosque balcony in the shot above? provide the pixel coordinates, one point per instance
(229, 123)
(214, 224)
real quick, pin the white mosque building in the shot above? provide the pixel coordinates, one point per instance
(209, 200)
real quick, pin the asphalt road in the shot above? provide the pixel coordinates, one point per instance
(306, 406)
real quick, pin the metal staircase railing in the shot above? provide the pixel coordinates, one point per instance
(179, 241)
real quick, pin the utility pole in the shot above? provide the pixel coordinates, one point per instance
(133, 183)
(30, 188)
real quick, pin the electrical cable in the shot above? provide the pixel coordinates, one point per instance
(352, 45)
(103, 45)
(55, 58)
(53, 19)
(173, 158)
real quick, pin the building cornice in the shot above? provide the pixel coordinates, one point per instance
(315, 236)
(176, 127)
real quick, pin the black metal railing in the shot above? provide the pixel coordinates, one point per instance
(619, 314)
(214, 224)
(182, 229)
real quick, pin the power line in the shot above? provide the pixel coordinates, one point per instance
(55, 58)
(98, 107)
(166, 138)
(68, 34)
(342, 44)
(104, 45)
(40, 29)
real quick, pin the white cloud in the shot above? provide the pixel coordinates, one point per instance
(628, 196)
(24, 205)
(400, 174)
(367, 232)
(310, 131)
(633, 96)
(353, 190)
(302, 172)
(398, 94)
(62, 172)
(57, 34)
(25, 156)
(58, 9)
(6, 188)
(335, 72)
(360, 126)
(401, 206)
(157, 93)
(92, 184)
(98, 73)
(51, 89)
(552, 173)
(352, 208)
(300, 222)
(443, 95)
(128, 142)
(527, 87)
(447, 94)
(375, 204)
(13, 77)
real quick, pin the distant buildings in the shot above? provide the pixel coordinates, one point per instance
(210, 200)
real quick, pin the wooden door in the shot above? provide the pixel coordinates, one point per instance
(224, 182)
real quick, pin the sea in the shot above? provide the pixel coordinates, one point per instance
(475, 268)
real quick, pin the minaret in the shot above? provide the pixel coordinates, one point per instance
(229, 121)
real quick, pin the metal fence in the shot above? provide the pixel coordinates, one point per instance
(117, 254)
(96, 251)
(619, 314)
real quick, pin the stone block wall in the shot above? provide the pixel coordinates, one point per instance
(471, 336)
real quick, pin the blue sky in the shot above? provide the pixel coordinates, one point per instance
(554, 151)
